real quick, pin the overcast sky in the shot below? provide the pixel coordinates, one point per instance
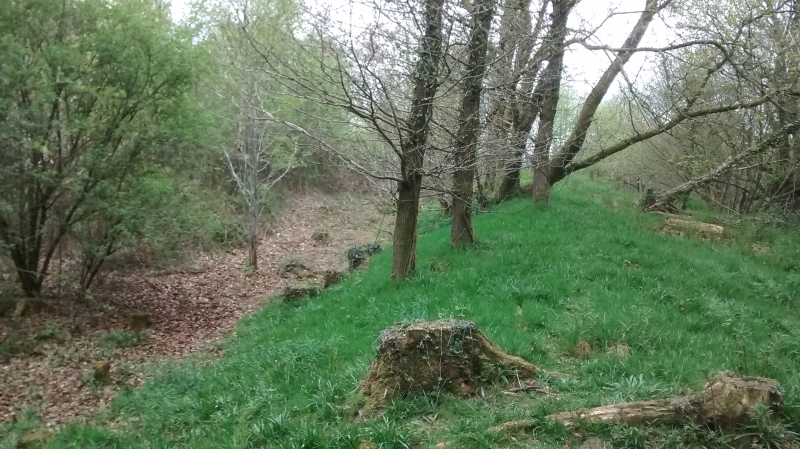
(584, 67)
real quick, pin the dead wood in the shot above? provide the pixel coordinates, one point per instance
(725, 401)
(677, 226)
(514, 426)
(435, 356)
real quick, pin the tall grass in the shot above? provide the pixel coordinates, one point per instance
(589, 266)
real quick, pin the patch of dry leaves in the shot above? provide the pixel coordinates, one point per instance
(192, 307)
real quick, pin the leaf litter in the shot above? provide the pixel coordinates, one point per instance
(192, 306)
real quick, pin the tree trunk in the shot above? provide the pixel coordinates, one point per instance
(412, 157)
(509, 183)
(522, 106)
(404, 249)
(549, 89)
(253, 239)
(469, 124)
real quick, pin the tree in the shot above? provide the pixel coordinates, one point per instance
(522, 55)
(85, 90)
(414, 140)
(258, 151)
(723, 52)
(469, 123)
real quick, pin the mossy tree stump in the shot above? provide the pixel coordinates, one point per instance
(435, 356)
(102, 371)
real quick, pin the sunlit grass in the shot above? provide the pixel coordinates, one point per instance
(589, 266)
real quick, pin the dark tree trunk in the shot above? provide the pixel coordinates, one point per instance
(469, 124)
(404, 257)
(26, 245)
(253, 239)
(404, 250)
(509, 183)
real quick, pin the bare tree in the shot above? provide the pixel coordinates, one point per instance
(260, 152)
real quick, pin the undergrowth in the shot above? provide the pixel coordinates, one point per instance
(589, 266)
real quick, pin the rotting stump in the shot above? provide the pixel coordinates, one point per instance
(423, 357)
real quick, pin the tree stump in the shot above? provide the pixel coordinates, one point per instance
(725, 401)
(435, 356)
(102, 371)
(299, 290)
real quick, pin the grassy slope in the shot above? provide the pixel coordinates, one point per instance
(541, 279)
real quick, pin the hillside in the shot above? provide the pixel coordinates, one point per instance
(588, 267)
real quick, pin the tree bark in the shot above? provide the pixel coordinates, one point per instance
(435, 356)
(469, 125)
(412, 153)
(404, 249)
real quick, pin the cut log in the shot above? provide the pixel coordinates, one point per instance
(299, 290)
(514, 426)
(725, 401)
(677, 226)
(434, 356)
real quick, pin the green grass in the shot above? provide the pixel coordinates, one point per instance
(120, 339)
(589, 266)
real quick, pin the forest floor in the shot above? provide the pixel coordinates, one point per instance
(192, 306)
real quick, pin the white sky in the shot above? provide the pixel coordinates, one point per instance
(584, 67)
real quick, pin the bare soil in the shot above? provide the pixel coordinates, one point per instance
(192, 306)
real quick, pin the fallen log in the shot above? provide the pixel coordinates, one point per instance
(677, 226)
(448, 356)
(664, 200)
(725, 401)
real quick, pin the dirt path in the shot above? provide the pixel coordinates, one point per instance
(192, 307)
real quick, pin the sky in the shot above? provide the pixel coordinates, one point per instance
(583, 67)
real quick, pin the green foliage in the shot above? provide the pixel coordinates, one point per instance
(120, 339)
(16, 342)
(50, 331)
(542, 277)
(89, 92)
